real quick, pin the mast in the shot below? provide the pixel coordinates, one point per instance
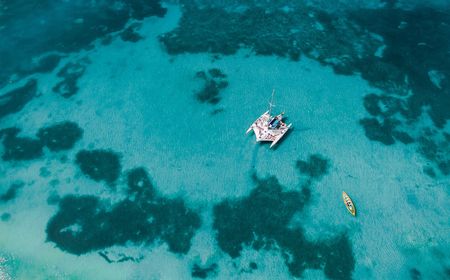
(271, 102)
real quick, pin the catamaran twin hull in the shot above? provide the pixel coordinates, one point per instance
(264, 132)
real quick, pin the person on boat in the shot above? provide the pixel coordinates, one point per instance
(276, 121)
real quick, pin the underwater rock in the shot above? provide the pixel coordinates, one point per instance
(14, 100)
(118, 257)
(279, 207)
(429, 171)
(436, 77)
(316, 166)
(99, 165)
(403, 137)
(411, 58)
(11, 193)
(139, 183)
(70, 73)
(44, 172)
(19, 148)
(53, 199)
(216, 73)
(371, 104)
(391, 105)
(436, 148)
(130, 35)
(85, 223)
(251, 266)
(428, 148)
(203, 273)
(380, 132)
(61, 32)
(444, 166)
(264, 223)
(413, 79)
(216, 111)
(5, 217)
(75, 227)
(214, 83)
(382, 74)
(267, 29)
(209, 93)
(447, 272)
(415, 274)
(46, 64)
(60, 136)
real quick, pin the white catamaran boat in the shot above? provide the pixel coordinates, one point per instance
(269, 128)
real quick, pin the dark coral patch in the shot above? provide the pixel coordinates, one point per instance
(391, 105)
(429, 171)
(130, 35)
(414, 78)
(70, 73)
(85, 223)
(139, 183)
(11, 192)
(408, 58)
(53, 199)
(16, 99)
(209, 93)
(415, 274)
(403, 137)
(339, 259)
(264, 223)
(216, 73)
(60, 136)
(47, 63)
(43, 64)
(216, 111)
(371, 104)
(381, 132)
(268, 29)
(99, 165)
(447, 272)
(44, 172)
(214, 29)
(140, 9)
(118, 259)
(343, 40)
(279, 208)
(444, 166)
(19, 148)
(436, 148)
(68, 27)
(203, 273)
(5, 217)
(429, 148)
(74, 228)
(316, 166)
(214, 82)
(407, 53)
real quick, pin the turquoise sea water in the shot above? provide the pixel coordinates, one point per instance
(124, 154)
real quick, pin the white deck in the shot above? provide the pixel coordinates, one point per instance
(264, 133)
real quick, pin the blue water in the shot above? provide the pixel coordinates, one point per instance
(124, 153)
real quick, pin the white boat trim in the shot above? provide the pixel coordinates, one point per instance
(263, 130)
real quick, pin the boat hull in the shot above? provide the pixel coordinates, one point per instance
(349, 203)
(263, 133)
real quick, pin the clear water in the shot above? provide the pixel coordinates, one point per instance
(124, 154)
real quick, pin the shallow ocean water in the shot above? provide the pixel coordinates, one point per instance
(124, 154)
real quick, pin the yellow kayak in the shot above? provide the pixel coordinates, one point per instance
(349, 203)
